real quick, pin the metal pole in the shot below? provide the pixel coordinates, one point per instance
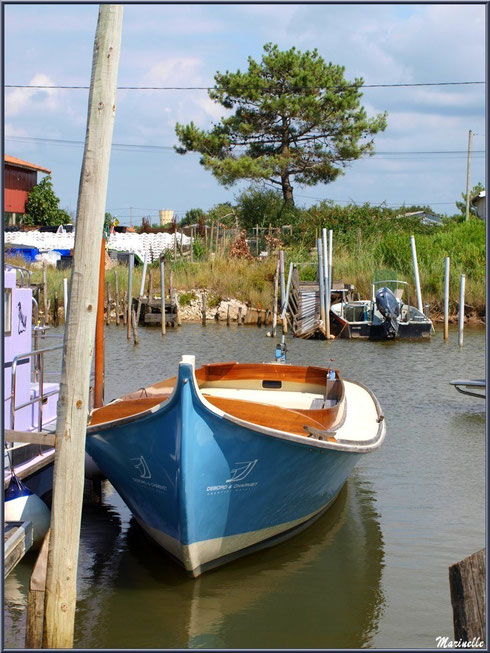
(321, 282)
(461, 310)
(446, 298)
(329, 293)
(326, 275)
(416, 272)
(468, 175)
(281, 276)
(143, 277)
(130, 292)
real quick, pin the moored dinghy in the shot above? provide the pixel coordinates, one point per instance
(232, 457)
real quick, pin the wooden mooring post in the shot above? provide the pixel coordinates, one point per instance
(162, 295)
(129, 304)
(467, 584)
(68, 476)
(461, 309)
(118, 317)
(36, 597)
(203, 308)
(446, 297)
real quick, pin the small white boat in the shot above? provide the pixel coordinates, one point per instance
(472, 387)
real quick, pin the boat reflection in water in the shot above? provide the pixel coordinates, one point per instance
(321, 589)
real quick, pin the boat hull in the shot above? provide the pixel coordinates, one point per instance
(208, 488)
(367, 331)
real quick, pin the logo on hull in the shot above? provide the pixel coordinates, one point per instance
(241, 471)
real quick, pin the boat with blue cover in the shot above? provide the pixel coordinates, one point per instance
(231, 457)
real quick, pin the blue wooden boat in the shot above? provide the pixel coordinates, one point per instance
(229, 458)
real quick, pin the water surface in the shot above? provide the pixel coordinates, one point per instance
(372, 573)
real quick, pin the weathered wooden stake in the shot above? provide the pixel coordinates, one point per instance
(446, 298)
(134, 327)
(68, 480)
(129, 304)
(228, 315)
(239, 318)
(211, 236)
(162, 295)
(108, 303)
(65, 296)
(125, 309)
(203, 297)
(45, 293)
(461, 309)
(117, 298)
(55, 308)
(35, 598)
(467, 584)
(177, 309)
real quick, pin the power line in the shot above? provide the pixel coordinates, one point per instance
(208, 88)
(170, 148)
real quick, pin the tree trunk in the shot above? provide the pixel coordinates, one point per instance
(287, 189)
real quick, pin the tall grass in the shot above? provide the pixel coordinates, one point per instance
(379, 254)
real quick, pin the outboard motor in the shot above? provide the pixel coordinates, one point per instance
(390, 309)
(281, 351)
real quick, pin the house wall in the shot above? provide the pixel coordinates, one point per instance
(18, 183)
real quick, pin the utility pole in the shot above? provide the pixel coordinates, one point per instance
(68, 481)
(468, 168)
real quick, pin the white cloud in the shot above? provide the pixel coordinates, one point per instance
(30, 100)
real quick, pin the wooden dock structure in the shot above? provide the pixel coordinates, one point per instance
(304, 304)
(17, 540)
(150, 311)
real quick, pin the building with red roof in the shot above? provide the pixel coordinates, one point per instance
(19, 177)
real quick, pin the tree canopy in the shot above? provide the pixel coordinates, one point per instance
(42, 206)
(293, 117)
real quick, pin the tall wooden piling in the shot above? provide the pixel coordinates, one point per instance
(162, 295)
(129, 304)
(467, 585)
(203, 297)
(45, 293)
(55, 308)
(68, 479)
(65, 296)
(36, 598)
(117, 298)
(446, 298)
(99, 334)
(461, 309)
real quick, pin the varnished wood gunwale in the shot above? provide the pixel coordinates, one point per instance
(262, 414)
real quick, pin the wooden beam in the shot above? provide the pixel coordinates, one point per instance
(68, 478)
(467, 584)
(17, 541)
(30, 437)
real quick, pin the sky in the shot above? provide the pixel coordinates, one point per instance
(421, 157)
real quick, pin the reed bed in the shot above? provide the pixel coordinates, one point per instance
(355, 261)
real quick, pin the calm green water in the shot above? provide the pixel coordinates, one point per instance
(372, 573)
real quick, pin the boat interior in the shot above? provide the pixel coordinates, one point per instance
(282, 397)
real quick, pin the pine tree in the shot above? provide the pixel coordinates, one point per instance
(294, 117)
